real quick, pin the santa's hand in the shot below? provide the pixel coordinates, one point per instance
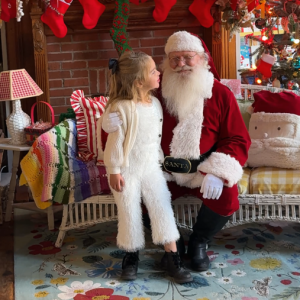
(111, 122)
(212, 187)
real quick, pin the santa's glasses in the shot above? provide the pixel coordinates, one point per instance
(187, 59)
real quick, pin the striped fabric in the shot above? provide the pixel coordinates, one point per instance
(271, 180)
(55, 174)
(92, 109)
(87, 110)
(80, 123)
(243, 184)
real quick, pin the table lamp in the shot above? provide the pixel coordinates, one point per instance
(16, 85)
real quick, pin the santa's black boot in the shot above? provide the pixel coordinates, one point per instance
(175, 268)
(130, 265)
(180, 248)
(208, 224)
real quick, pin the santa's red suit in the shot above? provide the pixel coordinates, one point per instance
(223, 127)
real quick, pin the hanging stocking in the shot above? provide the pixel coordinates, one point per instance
(118, 31)
(201, 10)
(265, 65)
(54, 16)
(93, 9)
(233, 4)
(9, 10)
(162, 9)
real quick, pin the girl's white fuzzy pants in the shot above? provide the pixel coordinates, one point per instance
(144, 177)
(157, 198)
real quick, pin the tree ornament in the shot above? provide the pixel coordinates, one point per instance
(276, 83)
(261, 23)
(293, 85)
(265, 65)
(118, 31)
(296, 74)
(296, 63)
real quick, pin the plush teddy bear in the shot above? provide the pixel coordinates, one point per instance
(274, 129)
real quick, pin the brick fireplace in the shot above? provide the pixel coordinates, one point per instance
(80, 59)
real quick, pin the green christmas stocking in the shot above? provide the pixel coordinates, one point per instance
(118, 31)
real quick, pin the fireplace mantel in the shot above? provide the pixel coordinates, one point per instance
(32, 42)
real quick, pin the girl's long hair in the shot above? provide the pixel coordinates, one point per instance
(132, 68)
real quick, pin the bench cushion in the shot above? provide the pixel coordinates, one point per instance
(271, 180)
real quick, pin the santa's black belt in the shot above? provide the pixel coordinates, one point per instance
(182, 165)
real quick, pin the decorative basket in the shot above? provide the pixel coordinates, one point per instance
(37, 128)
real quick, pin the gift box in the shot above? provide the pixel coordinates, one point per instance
(37, 128)
(234, 85)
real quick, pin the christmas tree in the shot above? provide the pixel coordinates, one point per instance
(277, 57)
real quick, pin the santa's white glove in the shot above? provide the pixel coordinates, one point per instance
(111, 122)
(212, 187)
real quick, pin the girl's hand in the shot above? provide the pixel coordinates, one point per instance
(116, 182)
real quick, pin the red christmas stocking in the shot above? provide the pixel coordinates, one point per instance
(162, 9)
(265, 65)
(201, 10)
(54, 16)
(137, 1)
(92, 12)
(9, 10)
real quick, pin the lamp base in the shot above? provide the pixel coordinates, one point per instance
(16, 122)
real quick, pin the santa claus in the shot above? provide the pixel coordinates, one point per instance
(204, 138)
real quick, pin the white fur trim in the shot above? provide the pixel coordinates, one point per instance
(183, 41)
(269, 59)
(223, 166)
(275, 117)
(168, 176)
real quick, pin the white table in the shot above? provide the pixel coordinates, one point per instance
(5, 145)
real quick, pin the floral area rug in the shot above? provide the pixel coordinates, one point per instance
(248, 262)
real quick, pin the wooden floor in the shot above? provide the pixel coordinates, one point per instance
(7, 260)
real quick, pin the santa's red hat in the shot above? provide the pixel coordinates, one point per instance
(284, 106)
(185, 41)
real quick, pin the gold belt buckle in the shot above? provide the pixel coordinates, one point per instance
(177, 165)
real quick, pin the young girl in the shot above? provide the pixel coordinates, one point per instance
(131, 157)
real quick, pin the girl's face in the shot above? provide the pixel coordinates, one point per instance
(152, 80)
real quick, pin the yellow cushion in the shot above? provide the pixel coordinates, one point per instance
(243, 184)
(271, 180)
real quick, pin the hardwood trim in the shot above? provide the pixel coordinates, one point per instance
(41, 60)
(228, 69)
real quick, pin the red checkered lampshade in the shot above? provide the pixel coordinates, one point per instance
(17, 84)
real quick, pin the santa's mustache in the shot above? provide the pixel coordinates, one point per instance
(183, 68)
(281, 145)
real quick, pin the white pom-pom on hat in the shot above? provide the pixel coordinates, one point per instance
(183, 41)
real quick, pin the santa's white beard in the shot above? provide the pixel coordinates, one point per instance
(182, 92)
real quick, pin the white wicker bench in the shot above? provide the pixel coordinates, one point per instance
(253, 207)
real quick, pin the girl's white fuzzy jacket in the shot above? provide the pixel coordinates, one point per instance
(120, 142)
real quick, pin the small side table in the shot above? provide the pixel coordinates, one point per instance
(4, 144)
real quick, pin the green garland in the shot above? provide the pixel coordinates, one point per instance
(118, 31)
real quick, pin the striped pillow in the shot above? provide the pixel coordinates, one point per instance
(87, 111)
